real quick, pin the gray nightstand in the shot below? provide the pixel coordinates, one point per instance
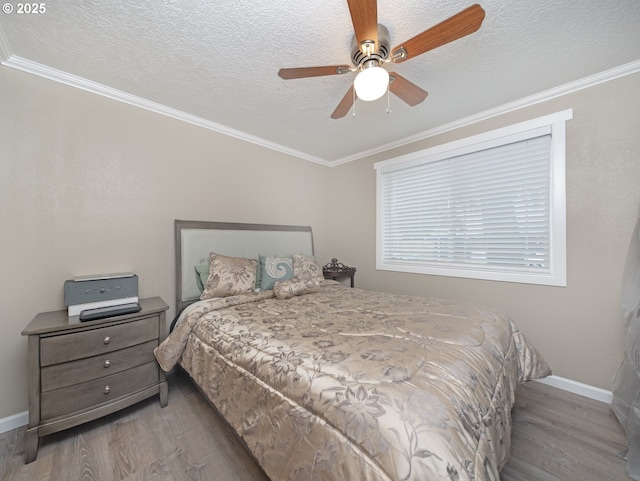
(80, 371)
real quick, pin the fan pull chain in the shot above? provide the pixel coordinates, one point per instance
(388, 101)
(354, 103)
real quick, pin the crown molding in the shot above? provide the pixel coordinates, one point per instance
(25, 65)
(71, 80)
(5, 49)
(571, 87)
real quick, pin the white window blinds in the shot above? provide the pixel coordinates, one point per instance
(484, 210)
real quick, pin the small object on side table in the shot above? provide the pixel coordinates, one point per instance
(336, 270)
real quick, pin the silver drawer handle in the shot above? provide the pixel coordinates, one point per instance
(107, 363)
(107, 389)
(107, 340)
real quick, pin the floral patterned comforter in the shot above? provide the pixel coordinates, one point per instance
(347, 384)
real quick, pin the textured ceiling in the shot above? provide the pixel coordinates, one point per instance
(216, 62)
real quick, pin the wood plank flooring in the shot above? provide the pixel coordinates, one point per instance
(560, 436)
(557, 436)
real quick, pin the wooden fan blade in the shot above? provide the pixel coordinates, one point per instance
(405, 90)
(458, 26)
(345, 104)
(364, 16)
(303, 72)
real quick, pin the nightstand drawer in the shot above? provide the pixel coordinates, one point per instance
(74, 372)
(92, 393)
(57, 349)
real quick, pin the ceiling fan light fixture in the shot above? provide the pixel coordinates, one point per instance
(370, 49)
(371, 83)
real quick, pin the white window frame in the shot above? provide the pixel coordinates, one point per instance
(557, 274)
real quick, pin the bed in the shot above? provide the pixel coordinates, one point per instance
(327, 382)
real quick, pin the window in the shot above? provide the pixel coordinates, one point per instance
(491, 206)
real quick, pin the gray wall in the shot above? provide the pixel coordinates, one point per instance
(578, 329)
(91, 185)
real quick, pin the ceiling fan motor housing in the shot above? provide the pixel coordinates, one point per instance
(358, 57)
(370, 55)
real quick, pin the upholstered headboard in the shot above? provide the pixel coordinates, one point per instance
(196, 239)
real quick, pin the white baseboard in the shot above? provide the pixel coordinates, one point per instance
(22, 419)
(14, 421)
(576, 387)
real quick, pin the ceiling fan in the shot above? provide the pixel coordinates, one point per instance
(370, 51)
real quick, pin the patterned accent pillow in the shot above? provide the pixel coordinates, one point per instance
(306, 268)
(273, 269)
(229, 276)
(294, 287)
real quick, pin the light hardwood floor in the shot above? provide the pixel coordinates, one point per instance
(557, 436)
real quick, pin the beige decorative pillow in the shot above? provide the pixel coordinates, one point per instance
(294, 287)
(305, 268)
(229, 276)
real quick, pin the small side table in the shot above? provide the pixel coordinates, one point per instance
(337, 270)
(81, 371)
